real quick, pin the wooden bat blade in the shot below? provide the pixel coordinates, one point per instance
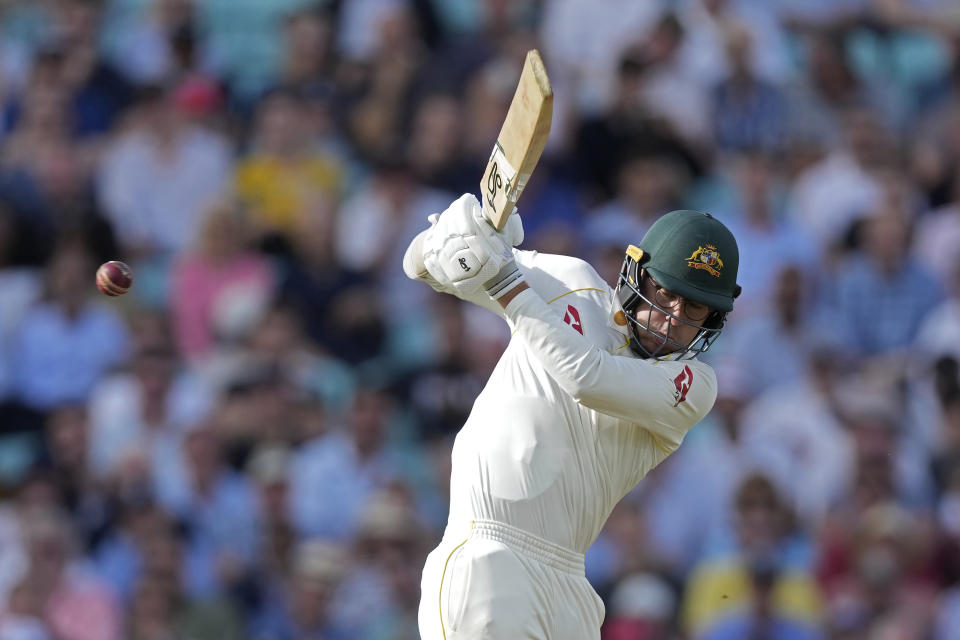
(520, 143)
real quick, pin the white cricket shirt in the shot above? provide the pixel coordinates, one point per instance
(570, 420)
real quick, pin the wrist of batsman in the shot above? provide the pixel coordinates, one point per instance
(506, 279)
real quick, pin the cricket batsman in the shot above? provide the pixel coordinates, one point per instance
(596, 387)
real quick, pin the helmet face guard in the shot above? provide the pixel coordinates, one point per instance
(630, 293)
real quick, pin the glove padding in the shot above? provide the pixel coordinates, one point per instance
(462, 251)
(413, 265)
(512, 231)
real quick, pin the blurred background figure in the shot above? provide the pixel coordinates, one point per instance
(75, 602)
(67, 339)
(255, 441)
(284, 169)
(643, 606)
(220, 287)
(315, 570)
(161, 175)
(762, 584)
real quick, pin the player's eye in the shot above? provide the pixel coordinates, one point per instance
(696, 311)
(665, 298)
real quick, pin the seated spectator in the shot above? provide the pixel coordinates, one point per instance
(120, 557)
(879, 479)
(795, 432)
(441, 392)
(384, 577)
(435, 146)
(77, 604)
(45, 176)
(788, 319)
(707, 24)
(767, 240)
(262, 405)
(308, 56)
(606, 140)
(99, 93)
(147, 408)
(66, 463)
(304, 610)
(883, 294)
(888, 590)
(334, 476)
(672, 90)
(218, 507)
(750, 112)
(315, 283)
(278, 343)
(375, 225)
(829, 196)
(152, 43)
(622, 547)
(160, 176)
(66, 341)
(647, 186)
(161, 602)
(762, 581)
(642, 607)
(284, 171)
(220, 280)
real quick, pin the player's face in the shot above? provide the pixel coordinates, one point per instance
(668, 331)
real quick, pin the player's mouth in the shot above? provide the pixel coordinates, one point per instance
(661, 337)
(654, 340)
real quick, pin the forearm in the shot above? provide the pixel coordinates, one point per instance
(510, 295)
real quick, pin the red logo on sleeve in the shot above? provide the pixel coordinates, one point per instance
(572, 318)
(682, 382)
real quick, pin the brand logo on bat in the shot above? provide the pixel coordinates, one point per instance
(494, 182)
(707, 259)
(572, 318)
(682, 382)
(463, 264)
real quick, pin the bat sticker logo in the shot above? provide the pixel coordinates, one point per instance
(463, 264)
(572, 318)
(682, 382)
(494, 182)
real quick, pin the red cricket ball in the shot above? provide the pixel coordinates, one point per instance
(114, 278)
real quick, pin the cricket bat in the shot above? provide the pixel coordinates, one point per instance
(516, 153)
(520, 143)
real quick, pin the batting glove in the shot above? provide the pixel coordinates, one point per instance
(462, 251)
(413, 265)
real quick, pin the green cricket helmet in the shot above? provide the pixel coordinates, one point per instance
(685, 253)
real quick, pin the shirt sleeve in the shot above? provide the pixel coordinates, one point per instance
(664, 397)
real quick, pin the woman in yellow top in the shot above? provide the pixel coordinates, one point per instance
(285, 174)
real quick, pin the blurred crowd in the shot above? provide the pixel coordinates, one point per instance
(254, 442)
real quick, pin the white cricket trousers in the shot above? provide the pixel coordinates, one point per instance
(502, 583)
